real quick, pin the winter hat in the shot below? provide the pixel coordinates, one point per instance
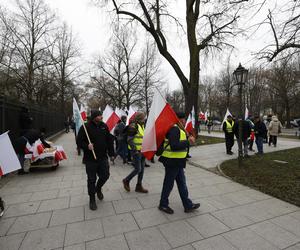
(95, 113)
(139, 117)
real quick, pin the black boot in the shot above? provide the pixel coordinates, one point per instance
(93, 205)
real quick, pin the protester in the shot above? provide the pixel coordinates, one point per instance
(174, 161)
(260, 133)
(122, 147)
(30, 136)
(229, 134)
(246, 131)
(67, 126)
(135, 134)
(274, 129)
(209, 124)
(101, 143)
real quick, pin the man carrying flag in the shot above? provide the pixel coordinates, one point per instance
(174, 160)
(97, 143)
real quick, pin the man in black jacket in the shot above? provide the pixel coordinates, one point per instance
(260, 131)
(102, 145)
(246, 131)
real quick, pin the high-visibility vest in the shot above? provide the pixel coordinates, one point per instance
(168, 153)
(138, 138)
(229, 127)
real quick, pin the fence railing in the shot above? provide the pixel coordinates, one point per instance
(43, 117)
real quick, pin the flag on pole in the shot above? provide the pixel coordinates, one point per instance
(9, 161)
(131, 113)
(190, 123)
(83, 112)
(76, 116)
(225, 117)
(201, 116)
(110, 118)
(161, 118)
(246, 113)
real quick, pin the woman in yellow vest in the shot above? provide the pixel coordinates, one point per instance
(174, 161)
(135, 134)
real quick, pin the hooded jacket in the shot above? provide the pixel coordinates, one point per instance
(274, 126)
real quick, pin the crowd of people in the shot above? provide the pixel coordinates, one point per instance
(253, 128)
(97, 143)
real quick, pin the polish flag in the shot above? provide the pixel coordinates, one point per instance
(110, 118)
(190, 123)
(83, 112)
(61, 150)
(38, 148)
(201, 116)
(161, 118)
(225, 117)
(131, 113)
(28, 148)
(9, 161)
(246, 113)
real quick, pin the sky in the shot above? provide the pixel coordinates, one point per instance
(91, 24)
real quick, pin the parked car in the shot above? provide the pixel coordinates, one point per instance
(295, 123)
(216, 122)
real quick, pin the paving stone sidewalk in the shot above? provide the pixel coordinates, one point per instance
(49, 210)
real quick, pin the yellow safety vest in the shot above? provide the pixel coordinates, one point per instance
(168, 153)
(138, 138)
(229, 126)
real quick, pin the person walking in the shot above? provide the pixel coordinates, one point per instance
(101, 142)
(274, 129)
(174, 160)
(260, 131)
(122, 148)
(229, 134)
(209, 124)
(135, 134)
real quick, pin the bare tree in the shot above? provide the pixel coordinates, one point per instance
(285, 30)
(29, 26)
(208, 25)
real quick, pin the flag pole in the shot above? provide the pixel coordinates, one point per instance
(85, 130)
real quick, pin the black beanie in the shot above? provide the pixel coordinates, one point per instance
(95, 113)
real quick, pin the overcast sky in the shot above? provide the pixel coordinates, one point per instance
(91, 25)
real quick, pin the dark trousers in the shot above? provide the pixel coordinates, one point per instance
(122, 149)
(100, 168)
(139, 165)
(273, 140)
(173, 173)
(250, 143)
(259, 143)
(229, 141)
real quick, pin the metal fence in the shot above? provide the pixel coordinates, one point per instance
(50, 119)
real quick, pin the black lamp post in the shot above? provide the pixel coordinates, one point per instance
(240, 75)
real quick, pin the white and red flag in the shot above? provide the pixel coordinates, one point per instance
(120, 112)
(225, 117)
(9, 161)
(201, 116)
(131, 113)
(110, 117)
(190, 123)
(83, 112)
(206, 115)
(77, 116)
(161, 118)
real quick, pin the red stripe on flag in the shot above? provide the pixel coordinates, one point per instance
(83, 115)
(166, 119)
(189, 127)
(1, 173)
(112, 121)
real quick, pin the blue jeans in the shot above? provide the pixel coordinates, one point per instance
(173, 173)
(139, 165)
(259, 143)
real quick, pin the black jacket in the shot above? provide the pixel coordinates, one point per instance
(246, 130)
(100, 137)
(260, 129)
(176, 145)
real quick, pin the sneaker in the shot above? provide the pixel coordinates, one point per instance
(126, 185)
(147, 165)
(167, 210)
(100, 195)
(194, 207)
(140, 189)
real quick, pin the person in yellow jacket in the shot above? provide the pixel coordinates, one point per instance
(174, 160)
(228, 128)
(135, 134)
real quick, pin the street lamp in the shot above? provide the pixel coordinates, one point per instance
(240, 75)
